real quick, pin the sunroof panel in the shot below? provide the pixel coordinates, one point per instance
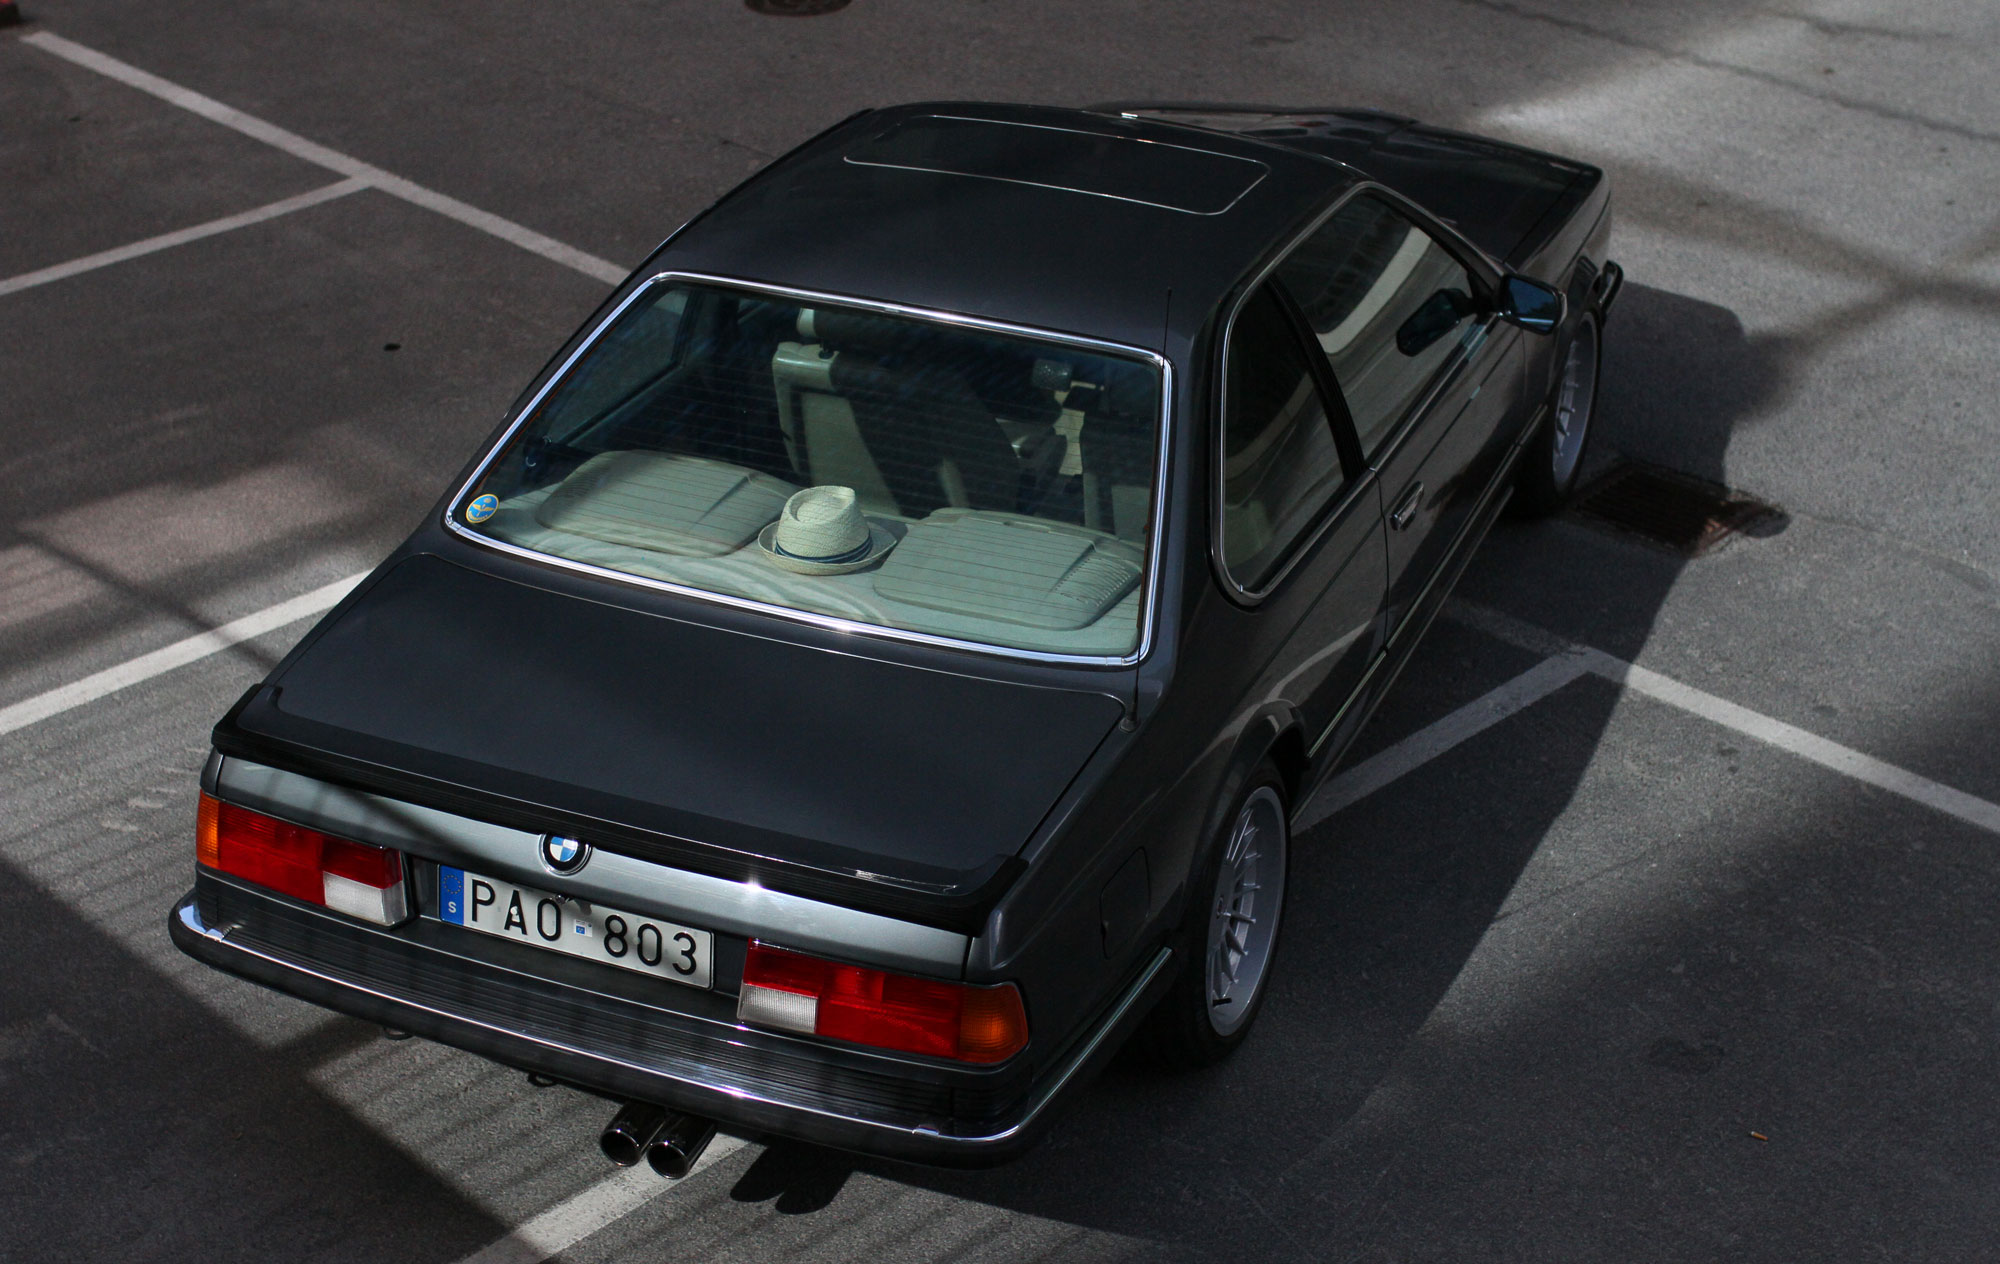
(1152, 173)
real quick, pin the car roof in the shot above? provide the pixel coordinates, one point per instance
(1060, 219)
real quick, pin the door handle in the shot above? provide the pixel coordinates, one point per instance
(1406, 509)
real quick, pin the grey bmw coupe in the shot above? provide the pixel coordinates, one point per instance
(870, 676)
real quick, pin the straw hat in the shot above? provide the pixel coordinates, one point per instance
(822, 532)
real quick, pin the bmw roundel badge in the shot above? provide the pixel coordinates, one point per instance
(564, 855)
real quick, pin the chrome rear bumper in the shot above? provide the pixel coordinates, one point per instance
(693, 1058)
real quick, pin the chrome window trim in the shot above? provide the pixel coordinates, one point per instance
(1149, 595)
(1263, 168)
(1483, 269)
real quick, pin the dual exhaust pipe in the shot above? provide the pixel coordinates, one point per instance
(669, 1141)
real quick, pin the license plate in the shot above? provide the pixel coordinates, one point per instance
(563, 923)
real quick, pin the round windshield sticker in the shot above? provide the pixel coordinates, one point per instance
(482, 508)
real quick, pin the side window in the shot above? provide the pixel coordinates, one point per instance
(1279, 463)
(1388, 304)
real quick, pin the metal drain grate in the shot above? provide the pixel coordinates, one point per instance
(795, 8)
(1676, 511)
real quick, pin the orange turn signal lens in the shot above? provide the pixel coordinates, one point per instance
(207, 844)
(992, 1026)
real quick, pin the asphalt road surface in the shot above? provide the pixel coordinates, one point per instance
(1685, 960)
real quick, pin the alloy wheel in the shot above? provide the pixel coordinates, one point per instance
(1243, 909)
(1574, 402)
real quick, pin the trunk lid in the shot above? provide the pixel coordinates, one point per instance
(743, 755)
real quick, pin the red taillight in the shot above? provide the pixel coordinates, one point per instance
(794, 992)
(352, 878)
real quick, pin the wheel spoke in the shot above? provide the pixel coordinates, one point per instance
(1243, 912)
(1574, 397)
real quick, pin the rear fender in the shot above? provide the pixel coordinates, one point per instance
(1271, 732)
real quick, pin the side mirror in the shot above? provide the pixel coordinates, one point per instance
(1535, 307)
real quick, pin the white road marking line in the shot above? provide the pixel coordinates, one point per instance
(1808, 746)
(1752, 724)
(180, 237)
(1433, 740)
(299, 147)
(577, 1217)
(359, 175)
(109, 681)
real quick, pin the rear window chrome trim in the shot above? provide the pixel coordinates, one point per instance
(1149, 595)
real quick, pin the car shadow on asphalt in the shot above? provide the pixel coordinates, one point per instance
(116, 1081)
(1759, 1027)
(1392, 896)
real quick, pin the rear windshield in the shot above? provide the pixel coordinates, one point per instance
(905, 473)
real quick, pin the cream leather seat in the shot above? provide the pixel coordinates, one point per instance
(863, 405)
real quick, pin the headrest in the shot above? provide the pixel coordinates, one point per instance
(1051, 375)
(857, 331)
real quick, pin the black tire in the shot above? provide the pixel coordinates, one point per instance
(1553, 461)
(1189, 1028)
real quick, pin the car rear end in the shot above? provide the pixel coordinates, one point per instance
(765, 1011)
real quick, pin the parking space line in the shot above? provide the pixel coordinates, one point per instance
(191, 649)
(1808, 746)
(333, 160)
(577, 1217)
(180, 237)
(1433, 740)
(1566, 662)
(1752, 724)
